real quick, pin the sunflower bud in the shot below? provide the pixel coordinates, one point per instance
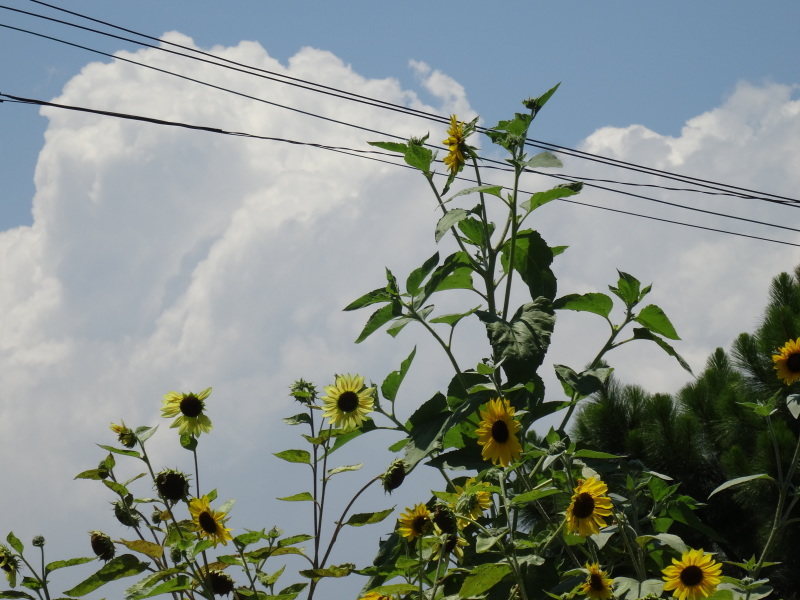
(102, 470)
(394, 476)
(9, 564)
(124, 514)
(125, 435)
(102, 546)
(176, 555)
(38, 541)
(304, 392)
(172, 485)
(220, 583)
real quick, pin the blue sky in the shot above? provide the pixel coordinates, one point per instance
(139, 259)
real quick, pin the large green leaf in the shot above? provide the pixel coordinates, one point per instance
(419, 157)
(544, 159)
(294, 456)
(652, 317)
(419, 274)
(448, 220)
(359, 519)
(628, 289)
(640, 333)
(15, 594)
(377, 320)
(585, 383)
(71, 562)
(125, 565)
(739, 481)
(332, 571)
(427, 428)
(593, 302)
(301, 497)
(482, 578)
(494, 190)
(391, 384)
(541, 198)
(521, 343)
(14, 542)
(373, 297)
(398, 147)
(532, 260)
(453, 273)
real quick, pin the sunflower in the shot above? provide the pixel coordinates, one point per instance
(450, 543)
(9, 564)
(190, 407)
(209, 523)
(471, 504)
(347, 402)
(125, 435)
(787, 363)
(455, 144)
(598, 585)
(415, 522)
(497, 433)
(588, 507)
(696, 575)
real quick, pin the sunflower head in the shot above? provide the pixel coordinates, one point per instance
(415, 522)
(209, 523)
(597, 585)
(787, 362)
(9, 564)
(589, 506)
(695, 576)
(394, 476)
(497, 433)
(220, 583)
(471, 503)
(124, 514)
(125, 435)
(444, 518)
(189, 408)
(102, 546)
(172, 485)
(304, 392)
(347, 402)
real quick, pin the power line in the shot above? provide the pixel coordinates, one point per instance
(722, 188)
(364, 153)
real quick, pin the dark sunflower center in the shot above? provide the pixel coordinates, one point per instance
(500, 432)
(420, 525)
(793, 363)
(348, 401)
(691, 576)
(191, 406)
(596, 583)
(584, 506)
(207, 522)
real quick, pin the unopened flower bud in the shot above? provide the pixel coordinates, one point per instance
(38, 541)
(125, 435)
(124, 514)
(102, 546)
(394, 476)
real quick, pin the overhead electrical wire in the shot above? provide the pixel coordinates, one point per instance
(281, 78)
(366, 153)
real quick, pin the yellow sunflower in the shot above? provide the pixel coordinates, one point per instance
(347, 402)
(787, 362)
(696, 575)
(455, 144)
(588, 507)
(415, 522)
(598, 585)
(497, 433)
(471, 504)
(209, 523)
(189, 410)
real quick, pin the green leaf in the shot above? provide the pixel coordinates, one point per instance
(486, 540)
(585, 383)
(60, 564)
(428, 423)
(482, 578)
(95, 474)
(536, 104)
(125, 565)
(641, 333)
(631, 589)
(359, 519)
(189, 442)
(493, 190)
(297, 419)
(144, 547)
(294, 456)
(652, 317)
(543, 160)
(454, 273)
(532, 260)
(521, 343)
(447, 221)
(595, 454)
(373, 297)
(474, 231)
(145, 433)
(391, 384)
(419, 274)
(15, 594)
(121, 451)
(176, 584)
(294, 539)
(453, 319)
(394, 589)
(793, 404)
(534, 495)
(14, 542)
(419, 157)
(541, 198)
(333, 571)
(378, 319)
(391, 146)
(738, 481)
(301, 497)
(343, 469)
(115, 487)
(628, 289)
(593, 302)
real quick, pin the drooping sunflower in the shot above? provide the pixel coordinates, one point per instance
(347, 403)
(588, 507)
(447, 544)
(455, 144)
(497, 433)
(209, 523)
(189, 410)
(696, 575)
(598, 584)
(471, 504)
(787, 362)
(415, 522)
